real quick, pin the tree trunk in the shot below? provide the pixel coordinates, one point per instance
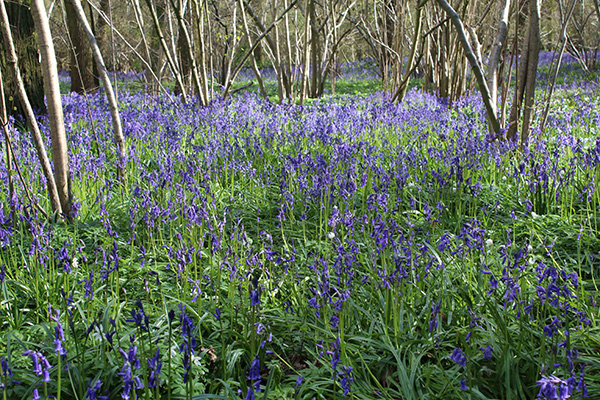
(12, 61)
(103, 34)
(9, 155)
(475, 66)
(532, 65)
(165, 48)
(27, 53)
(60, 156)
(496, 52)
(525, 87)
(108, 89)
(81, 71)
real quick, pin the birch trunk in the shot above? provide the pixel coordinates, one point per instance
(12, 61)
(60, 156)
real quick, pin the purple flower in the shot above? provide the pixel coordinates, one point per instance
(254, 297)
(250, 394)
(188, 345)
(154, 367)
(6, 371)
(92, 391)
(254, 372)
(459, 357)
(41, 366)
(299, 380)
(139, 317)
(346, 379)
(217, 313)
(487, 352)
(554, 388)
(130, 381)
(463, 385)
(89, 291)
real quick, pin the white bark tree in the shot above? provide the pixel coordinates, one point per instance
(60, 156)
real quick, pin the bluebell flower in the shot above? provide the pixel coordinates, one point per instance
(299, 381)
(254, 372)
(131, 382)
(346, 379)
(554, 388)
(154, 367)
(459, 357)
(188, 345)
(6, 371)
(92, 391)
(217, 313)
(139, 317)
(41, 366)
(487, 352)
(89, 291)
(250, 394)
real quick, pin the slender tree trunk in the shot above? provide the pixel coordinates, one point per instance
(496, 53)
(9, 155)
(103, 31)
(118, 137)
(26, 50)
(165, 48)
(188, 53)
(314, 50)
(200, 14)
(12, 61)
(81, 71)
(403, 87)
(60, 156)
(532, 65)
(255, 69)
(305, 60)
(475, 66)
(523, 78)
(563, 39)
(263, 35)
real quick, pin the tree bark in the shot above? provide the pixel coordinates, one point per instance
(166, 51)
(25, 48)
(60, 156)
(496, 52)
(475, 66)
(532, 65)
(12, 61)
(118, 137)
(526, 77)
(254, 64)
(83, 79)
(9, 155)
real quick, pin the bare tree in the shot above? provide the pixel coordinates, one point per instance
(165, 47)
(9, 155)
(476, 66)
(25, 49)
(118, 137)
(526, 76)
(496, 52)
(55, 112)
(83, 78)
(12, 61)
